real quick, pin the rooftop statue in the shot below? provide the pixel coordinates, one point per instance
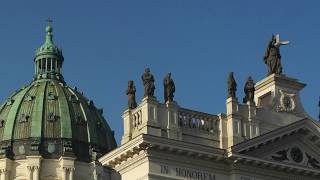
(249, 91)
(232, 86)
(131, 92)
(148, 83)
(272, 57)
(169, 88)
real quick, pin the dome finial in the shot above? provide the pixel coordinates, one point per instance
(49, 30)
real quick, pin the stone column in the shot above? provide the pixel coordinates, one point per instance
(71, 172)
(51, 61)
(47, 64)
(64, 173)
(29, 173)
(36, 173)
(3, 174)
(95, 175)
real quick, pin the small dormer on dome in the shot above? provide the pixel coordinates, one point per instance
(48, 59)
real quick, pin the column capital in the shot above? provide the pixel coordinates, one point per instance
(3, 170)
(68, 169)
(30, 168)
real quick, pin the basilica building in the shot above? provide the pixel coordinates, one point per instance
(50, 131)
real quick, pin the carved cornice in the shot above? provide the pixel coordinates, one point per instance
(237, 160)
(304, 127)
(143, 147)
(146, 143)
(280, 79)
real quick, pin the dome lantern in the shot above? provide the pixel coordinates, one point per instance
(48, 59)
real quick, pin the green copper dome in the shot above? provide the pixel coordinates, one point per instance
(49, 118)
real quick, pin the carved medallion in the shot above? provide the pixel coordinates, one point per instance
(287, 103)
(51, 148)
(296, 155)
(21, 150)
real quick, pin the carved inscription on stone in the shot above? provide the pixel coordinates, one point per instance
(186, 173)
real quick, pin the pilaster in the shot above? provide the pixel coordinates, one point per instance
(252, 125)
(145, 118)
(97, 170)
(36, 173)
(67, 168)
(71, 173)
(5, 168)
(232, 125)
(4, 174)
(127, 124)
(33, 167)
(29, 172)
(173, 128)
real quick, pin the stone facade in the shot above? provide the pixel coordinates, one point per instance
(270, 139)
(37, 168)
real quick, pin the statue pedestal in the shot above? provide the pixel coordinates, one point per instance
(232, 106)
(278, 102)
(127, 124)
(280, 93)
(173, 129)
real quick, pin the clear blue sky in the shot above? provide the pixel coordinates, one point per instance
(106, 43)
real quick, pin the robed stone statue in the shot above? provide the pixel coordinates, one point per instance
(249, 91)
(169, 88)
(232, 86)
(131, 93)
(272, 57)
(148, 83)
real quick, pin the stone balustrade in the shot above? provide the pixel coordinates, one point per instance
(171, 121)
(198, 121)
(136, 118)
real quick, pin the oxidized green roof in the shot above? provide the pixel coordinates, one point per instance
(49, 118)
(49, 47)
(49, 109)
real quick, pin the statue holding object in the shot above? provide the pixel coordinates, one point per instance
(272, 57)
